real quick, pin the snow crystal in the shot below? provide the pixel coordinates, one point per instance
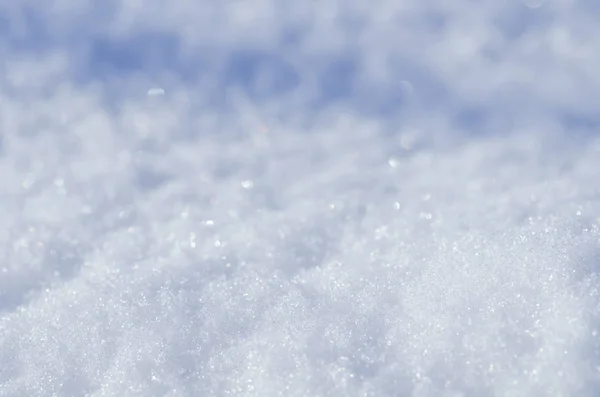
(420, 218)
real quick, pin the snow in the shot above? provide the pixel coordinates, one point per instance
(334, 199)
(156, 91)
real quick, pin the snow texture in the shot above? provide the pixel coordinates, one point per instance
(299, 198)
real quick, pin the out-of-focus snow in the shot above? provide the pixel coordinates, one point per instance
(335, 199)
(157, 91)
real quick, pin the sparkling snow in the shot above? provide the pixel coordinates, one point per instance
(335, 198)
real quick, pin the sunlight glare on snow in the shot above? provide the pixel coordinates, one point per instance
(334, 199)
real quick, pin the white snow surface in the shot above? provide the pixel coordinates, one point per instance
(331, 198)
